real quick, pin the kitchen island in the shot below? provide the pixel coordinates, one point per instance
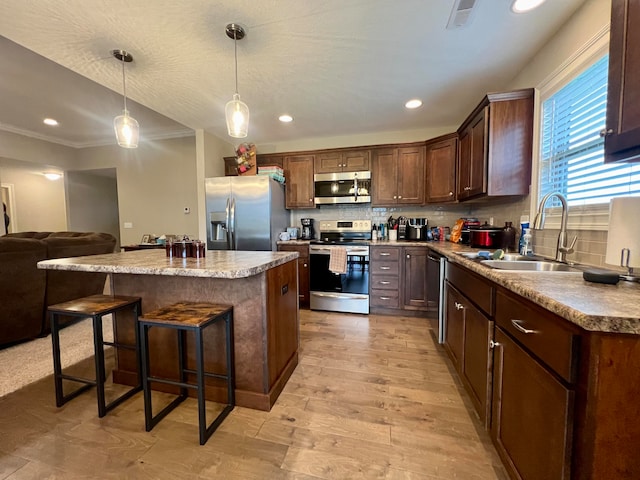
(261, 286)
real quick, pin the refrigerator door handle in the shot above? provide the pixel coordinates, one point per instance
(234, 240)
(227, 223)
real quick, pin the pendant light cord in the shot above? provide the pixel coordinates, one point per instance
(235, 54)
(124, 86)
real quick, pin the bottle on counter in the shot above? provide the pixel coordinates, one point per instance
(524, 224)
(374, 233)
(527, 247)
(508, 237)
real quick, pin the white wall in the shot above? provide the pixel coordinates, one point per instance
(210, 151)
(355, 140)
(594, 16)
(39, 203)
(36, 151)
(155, 182)
(92, 202)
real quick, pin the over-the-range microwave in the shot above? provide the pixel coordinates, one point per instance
(342, 187)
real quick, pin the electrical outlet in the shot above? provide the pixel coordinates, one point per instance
(187, 210)
(128, 225)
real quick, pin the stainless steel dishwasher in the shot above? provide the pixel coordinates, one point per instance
(436, 271)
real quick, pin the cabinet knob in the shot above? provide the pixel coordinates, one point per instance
(466, 189)
(451, 194)
(408, 256)
(606, 132)
(399, 196)
(304, 265)
(310, 200)
(385, 298)
(394, 197)
(384, 283)
(385, 254)
(458, 306)
(385, 268)
(493, 344)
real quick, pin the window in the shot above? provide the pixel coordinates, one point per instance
(571, 149)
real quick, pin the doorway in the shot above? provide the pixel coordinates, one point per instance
(8, 203)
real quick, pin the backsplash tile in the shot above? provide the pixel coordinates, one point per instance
(590, 248)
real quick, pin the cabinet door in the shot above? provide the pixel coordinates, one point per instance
(356, 161)
(623, 101)
(384, 180)
(532, 415)
(441, 171)
(477, 362)
(230, 166)
(454, 326)
(478, 157)
(464, 164)
(411, 177)
(298, 172)
(328, 162)
(415, 278)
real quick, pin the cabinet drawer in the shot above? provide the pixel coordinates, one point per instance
(546, 335)
(472, 286)
(303, 250)
(384, 298)
(384, 268)
(385, 282)
(386, 254)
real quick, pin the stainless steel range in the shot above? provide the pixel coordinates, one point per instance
(340, 291)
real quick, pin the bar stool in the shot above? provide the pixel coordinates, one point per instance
(184, 317)
(95, 307)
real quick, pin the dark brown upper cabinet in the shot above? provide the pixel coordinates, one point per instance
(343, 161)
(495, 145)
(622, 133)
(397, 176)
(441, 169)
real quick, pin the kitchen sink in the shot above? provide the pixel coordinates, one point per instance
(529, 265)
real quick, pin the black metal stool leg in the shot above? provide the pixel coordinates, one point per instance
(99, 360)
(202, 414)
(146, 386)
(57, 364)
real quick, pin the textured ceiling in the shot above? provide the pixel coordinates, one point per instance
(338, 67)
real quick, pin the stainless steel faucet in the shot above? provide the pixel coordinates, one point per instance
(561, 248)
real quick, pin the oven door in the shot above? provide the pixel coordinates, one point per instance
(346, 292)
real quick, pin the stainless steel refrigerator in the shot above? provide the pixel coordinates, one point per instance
(244, 213)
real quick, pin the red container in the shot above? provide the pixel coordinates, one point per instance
(486, 237)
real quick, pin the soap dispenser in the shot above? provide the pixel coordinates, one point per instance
(527, 247)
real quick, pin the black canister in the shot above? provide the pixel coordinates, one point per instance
(508, 237)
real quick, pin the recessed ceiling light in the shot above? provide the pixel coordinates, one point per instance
(50, 121)
(414, 103)
(52, 176)
(522, 6)
(285, 118)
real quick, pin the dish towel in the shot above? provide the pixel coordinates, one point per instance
(338, 260)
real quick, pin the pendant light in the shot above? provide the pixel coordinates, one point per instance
(126, 127)
(236, 111)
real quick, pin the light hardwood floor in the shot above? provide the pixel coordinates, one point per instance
(373, 397)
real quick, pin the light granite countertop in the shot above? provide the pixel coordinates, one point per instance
(593, 306)
(216, 264)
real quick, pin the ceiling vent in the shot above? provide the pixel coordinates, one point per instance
(462, 13)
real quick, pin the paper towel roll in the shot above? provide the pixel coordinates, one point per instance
(624, 231)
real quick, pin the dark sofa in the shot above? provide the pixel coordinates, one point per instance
(26, 291)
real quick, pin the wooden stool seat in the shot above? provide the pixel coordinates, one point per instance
(183, 317)
(94, 307)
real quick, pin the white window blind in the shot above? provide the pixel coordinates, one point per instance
(572, 151)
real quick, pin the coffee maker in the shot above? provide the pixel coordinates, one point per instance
(307, 228)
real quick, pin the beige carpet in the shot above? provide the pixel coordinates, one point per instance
(23, 364)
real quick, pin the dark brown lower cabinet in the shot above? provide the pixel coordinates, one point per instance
(532, 414)
(454, 327)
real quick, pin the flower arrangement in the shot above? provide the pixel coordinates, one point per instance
(246, 157)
